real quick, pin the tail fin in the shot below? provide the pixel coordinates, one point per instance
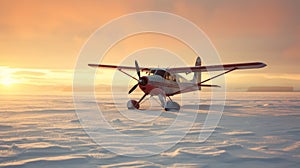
(197, 75)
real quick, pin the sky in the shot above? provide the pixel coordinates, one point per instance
(41, 40)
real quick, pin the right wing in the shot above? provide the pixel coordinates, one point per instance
(224, 67)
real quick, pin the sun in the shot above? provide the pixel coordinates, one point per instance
(7, 76)
(7, 80)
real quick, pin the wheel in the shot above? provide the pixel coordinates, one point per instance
(172, 106)
(132, 104)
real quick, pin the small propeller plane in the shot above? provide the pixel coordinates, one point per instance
(166, 82)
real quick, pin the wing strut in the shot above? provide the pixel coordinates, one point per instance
(218, 75)
(128, 74)
(200, 83)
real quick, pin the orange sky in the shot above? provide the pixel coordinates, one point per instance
(40, 40)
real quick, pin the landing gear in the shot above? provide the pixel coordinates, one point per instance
(132, 104)
(167, 105)
(172, 106)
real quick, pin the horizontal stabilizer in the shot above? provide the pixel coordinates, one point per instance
(204, 85)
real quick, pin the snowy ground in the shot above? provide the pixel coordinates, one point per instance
(256, 130)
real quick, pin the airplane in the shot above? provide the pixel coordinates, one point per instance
(166, 82)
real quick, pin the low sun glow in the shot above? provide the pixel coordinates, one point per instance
(6, 78)
(7, 81)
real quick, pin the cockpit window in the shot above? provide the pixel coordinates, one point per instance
(157, 72)
(151, 72)
(163, 74)
(160, 73)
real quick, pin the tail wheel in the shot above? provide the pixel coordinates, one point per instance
(132, 104)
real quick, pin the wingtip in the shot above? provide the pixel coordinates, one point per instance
(260, 64)
(263, 64)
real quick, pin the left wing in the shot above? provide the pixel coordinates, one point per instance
(251, 65)
(118, 67)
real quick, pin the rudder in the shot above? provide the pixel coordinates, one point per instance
(197, 75)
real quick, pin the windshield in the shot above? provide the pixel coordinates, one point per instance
(159, 72)
(166, 75)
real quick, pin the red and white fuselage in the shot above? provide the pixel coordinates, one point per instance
(168, 85)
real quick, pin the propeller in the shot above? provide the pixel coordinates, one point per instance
(137, 69)
(133, 88)
(140, 81)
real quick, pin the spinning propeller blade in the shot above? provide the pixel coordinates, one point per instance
(137, 69)
(139, 74)
(133, 88)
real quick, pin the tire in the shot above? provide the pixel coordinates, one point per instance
(132, 105)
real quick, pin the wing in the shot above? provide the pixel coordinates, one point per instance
(224, 67)
(118, 67)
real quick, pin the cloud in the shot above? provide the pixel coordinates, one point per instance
(29, 73)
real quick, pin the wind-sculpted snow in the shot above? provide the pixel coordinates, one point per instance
(256, 130)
